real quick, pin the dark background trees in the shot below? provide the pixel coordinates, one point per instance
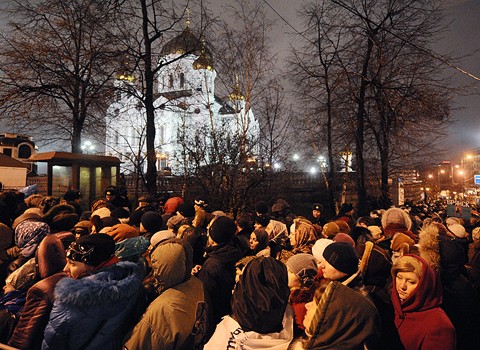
(57, 61)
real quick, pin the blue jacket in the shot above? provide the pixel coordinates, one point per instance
(94, 312)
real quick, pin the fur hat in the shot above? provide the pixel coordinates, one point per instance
(92, 249)
(152, 221)
(343, 237)
(342, 256)
(319, 247)
(222, 230)
(303, 265)
(398, 240)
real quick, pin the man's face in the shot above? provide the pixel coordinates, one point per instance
(331, 272)
(316, 213)
(76, 269)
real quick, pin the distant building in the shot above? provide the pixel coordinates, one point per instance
(19, 147)
(185, 101)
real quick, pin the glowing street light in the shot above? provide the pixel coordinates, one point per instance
(88, 147)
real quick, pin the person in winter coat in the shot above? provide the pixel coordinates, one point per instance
(28, 333)
(460, 300)
(416, 296)
(302, 269)
(170, 319)
(340, 315)
(218, 272)
(261, 317)
(93, 307)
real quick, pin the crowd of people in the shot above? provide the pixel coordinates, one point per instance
(175, 275)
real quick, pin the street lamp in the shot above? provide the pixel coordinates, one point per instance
(88, 147)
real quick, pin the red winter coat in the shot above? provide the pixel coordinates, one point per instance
(420, 321)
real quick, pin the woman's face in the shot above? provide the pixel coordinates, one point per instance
(253, 241)
(330, 272)
(406, 283)
(76, 269)
(311, 307)
(293, 281)
(293, 239)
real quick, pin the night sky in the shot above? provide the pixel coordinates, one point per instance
(462, 39)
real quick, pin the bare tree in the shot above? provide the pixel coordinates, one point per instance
(383, 74)
(57, 64)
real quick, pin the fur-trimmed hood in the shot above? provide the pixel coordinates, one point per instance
(108, 286)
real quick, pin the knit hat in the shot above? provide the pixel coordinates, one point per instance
(330, 229)
(342, 256)
(222, 230)
(458, 230)
(152, 221)
(187, 210)
(376, 231)
(343, 237)
(399, 239)
(92, 249)
(319, 247)
(303, 265)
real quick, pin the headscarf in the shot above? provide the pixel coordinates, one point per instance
(304, 238)
(261, 296)
(262, 238)
(28, 234)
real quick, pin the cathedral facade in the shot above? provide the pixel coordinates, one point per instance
(185, 103)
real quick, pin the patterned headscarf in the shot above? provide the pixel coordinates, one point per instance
(29, 234)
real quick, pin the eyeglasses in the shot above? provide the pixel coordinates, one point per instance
(78, 252)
